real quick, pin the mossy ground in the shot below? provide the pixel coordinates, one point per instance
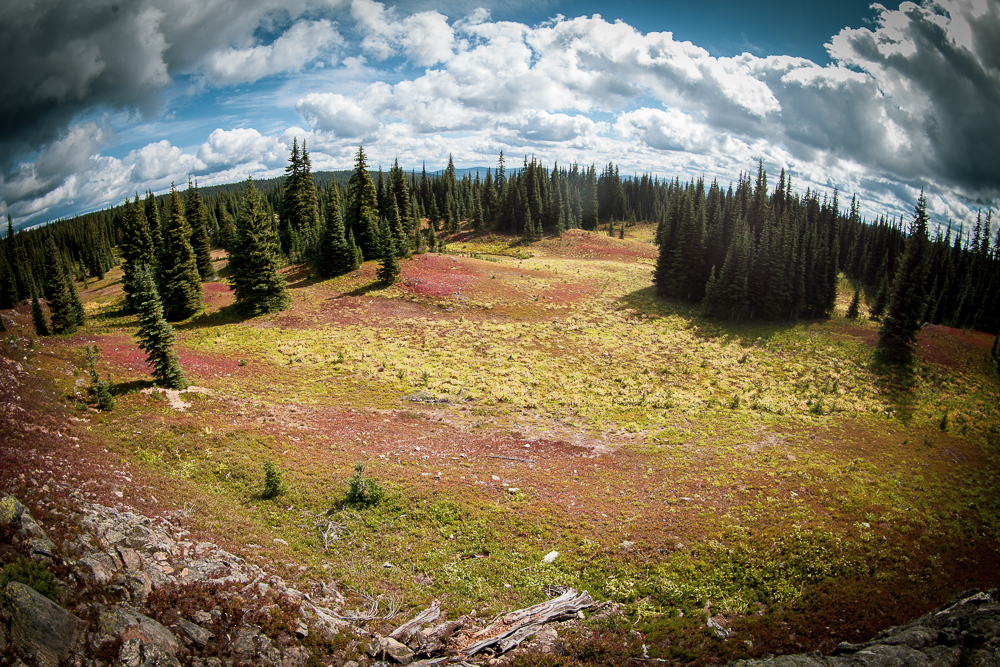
(515, 400)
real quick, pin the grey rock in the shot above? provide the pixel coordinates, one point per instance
(985, 657)
(295, 656)
(915, 637)
(96, 569)
(30, 527)
(717, 629)
(884, 655)
(41, 548)
(41, 631)
(944, 656)
(135, 652)
(386, 646)
(252, 644)
(805, 660)
(195, 633)
(202, 618)
(938, 639)
(127, 623)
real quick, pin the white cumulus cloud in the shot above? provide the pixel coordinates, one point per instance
(303, 43)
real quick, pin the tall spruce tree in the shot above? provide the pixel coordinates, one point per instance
(61, 307)
(854, 310)
(181, 290)
(137, 248)
(196, 214)
(255, 259)
(8, 285)
(389, 270)
(362, 208)
(908, 299)
(336, 255)
(74, 298)
(38, 317)
(155, 336)
(299, 211)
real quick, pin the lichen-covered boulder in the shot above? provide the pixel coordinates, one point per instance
(11, 510)
(40, 630)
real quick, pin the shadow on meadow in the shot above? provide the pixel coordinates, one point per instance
(225, 315)
(899, 382)
(301, 276)
(366, 289)
(132, 386)
(746, 334)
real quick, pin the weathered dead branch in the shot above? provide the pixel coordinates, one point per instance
(509, 630)
(403, 632)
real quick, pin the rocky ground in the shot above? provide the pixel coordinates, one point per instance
(133, 590)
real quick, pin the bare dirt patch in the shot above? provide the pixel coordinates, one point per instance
(174, 396)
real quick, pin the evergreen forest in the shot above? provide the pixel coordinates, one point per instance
(744, 251)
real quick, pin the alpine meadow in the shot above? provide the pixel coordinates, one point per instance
(689, 394)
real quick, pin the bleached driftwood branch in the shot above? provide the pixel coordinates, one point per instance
(509, 630)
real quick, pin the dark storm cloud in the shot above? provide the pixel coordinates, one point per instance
(939, 77)
(64, 58)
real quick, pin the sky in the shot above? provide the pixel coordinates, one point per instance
(102, 99)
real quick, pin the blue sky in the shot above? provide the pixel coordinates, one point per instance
(104, 98)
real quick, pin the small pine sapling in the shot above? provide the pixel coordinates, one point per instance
(274, 485)
(98, 387)
(32, 574)
(362, 491)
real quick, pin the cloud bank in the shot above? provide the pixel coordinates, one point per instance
(910, 102)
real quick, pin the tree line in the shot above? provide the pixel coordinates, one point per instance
(746, 251)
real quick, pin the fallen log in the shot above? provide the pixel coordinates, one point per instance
(403, 632)
(509, 630)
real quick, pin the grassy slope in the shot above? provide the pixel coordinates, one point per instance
(766, 474)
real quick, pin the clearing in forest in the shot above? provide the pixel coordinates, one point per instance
(518, 400)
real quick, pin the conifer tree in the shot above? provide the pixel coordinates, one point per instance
(182, 295)
(255, 260)
(155, 336)
(99, 387)
(25, 286)
(61, 308)
(152, 212)
(729, 294)
(196, 214)
(358, 256)
(362, 208)
(432, 241)
(227, 226)
(395, 229)
(8, 285)
(388, 271)
(589, 198)
(908, 298)
(336, 255)
(79, 314)
(38, 317)
(299, 211)
(477, 216)
(853, 311)
(881, 300)
(137, 248)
